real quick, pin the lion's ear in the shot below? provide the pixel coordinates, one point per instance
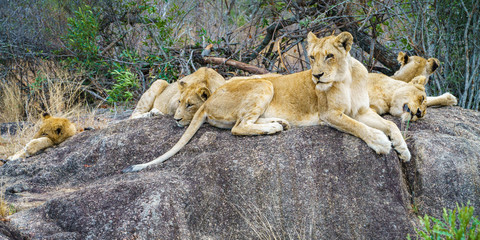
(344, 40)
(311, 37)
(432, 65)
(402, 58)
(45, 116)
(204, 93)
(421, 80)
(181, 84)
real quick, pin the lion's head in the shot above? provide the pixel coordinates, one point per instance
(410, 101)
(192, 96)
(328, 58)
(412, 66)
(57, 129)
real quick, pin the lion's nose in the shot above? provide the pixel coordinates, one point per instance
(318, 76)
(419, 113)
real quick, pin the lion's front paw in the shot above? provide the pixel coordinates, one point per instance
(405, 155)
(379, 142)
(155, 112)
(284, 124)
(273, 128)
(450, 100)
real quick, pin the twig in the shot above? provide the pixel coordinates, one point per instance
(236, 64)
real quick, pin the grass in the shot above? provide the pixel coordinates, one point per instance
(51, 89)
(5, 208)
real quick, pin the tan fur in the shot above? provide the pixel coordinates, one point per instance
(412, 66)
(269, 105)
(162, 98)
(388, 95)
(53, 130)
(398, 98)
(341, 87)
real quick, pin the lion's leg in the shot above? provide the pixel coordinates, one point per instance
(372, 119)
(284, 122)
(145, 103)
(250, 123)
(250, 127)
(446, 99)
(32, 147)
(374, 138)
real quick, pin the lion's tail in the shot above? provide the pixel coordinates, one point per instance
(198, 119)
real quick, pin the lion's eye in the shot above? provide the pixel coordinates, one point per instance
(329, 56)
(312, 58)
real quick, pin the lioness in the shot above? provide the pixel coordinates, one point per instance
(162, 98)
(413, 66)
(53, 130)
(400, 99)
(334, 90)
(406, 98)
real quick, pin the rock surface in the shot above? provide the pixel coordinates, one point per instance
(305, 183)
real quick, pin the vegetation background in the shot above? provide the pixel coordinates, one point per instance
(68, 57)
(110, 51)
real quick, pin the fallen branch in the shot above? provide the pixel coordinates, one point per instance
(240, 65)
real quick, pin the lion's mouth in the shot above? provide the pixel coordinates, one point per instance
(412, 115)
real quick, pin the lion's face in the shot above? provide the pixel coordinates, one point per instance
(192, 96)
(413, 66)
(411, 100)
(58, 129)
(328, 58)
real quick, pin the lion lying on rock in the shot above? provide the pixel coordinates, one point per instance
(162, 98)
(333, 91)
(53, 131)
(406, 98)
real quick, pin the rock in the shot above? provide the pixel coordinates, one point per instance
(446, 166)
(309, 182)
(7, 233)
(11, 128)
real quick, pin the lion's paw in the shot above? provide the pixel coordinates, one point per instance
(273, 128)
(450, 100)
(155, 112)
(403, 152)
(379, 142)
(404, 155)
(284, 123)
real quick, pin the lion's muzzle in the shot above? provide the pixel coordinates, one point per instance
(178, 122)
(318, 76)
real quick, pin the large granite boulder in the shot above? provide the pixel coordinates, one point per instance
(304, 183)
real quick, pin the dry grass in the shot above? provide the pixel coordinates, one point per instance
(51, 89)
(5, 208)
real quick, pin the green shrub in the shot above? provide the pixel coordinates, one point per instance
(83, 30)
(457, 224)
(125, 82)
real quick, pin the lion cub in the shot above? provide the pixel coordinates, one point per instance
(162, 98)
(333, 91)
(53, 130)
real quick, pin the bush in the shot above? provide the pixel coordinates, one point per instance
(458, 224)
(121, 90)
